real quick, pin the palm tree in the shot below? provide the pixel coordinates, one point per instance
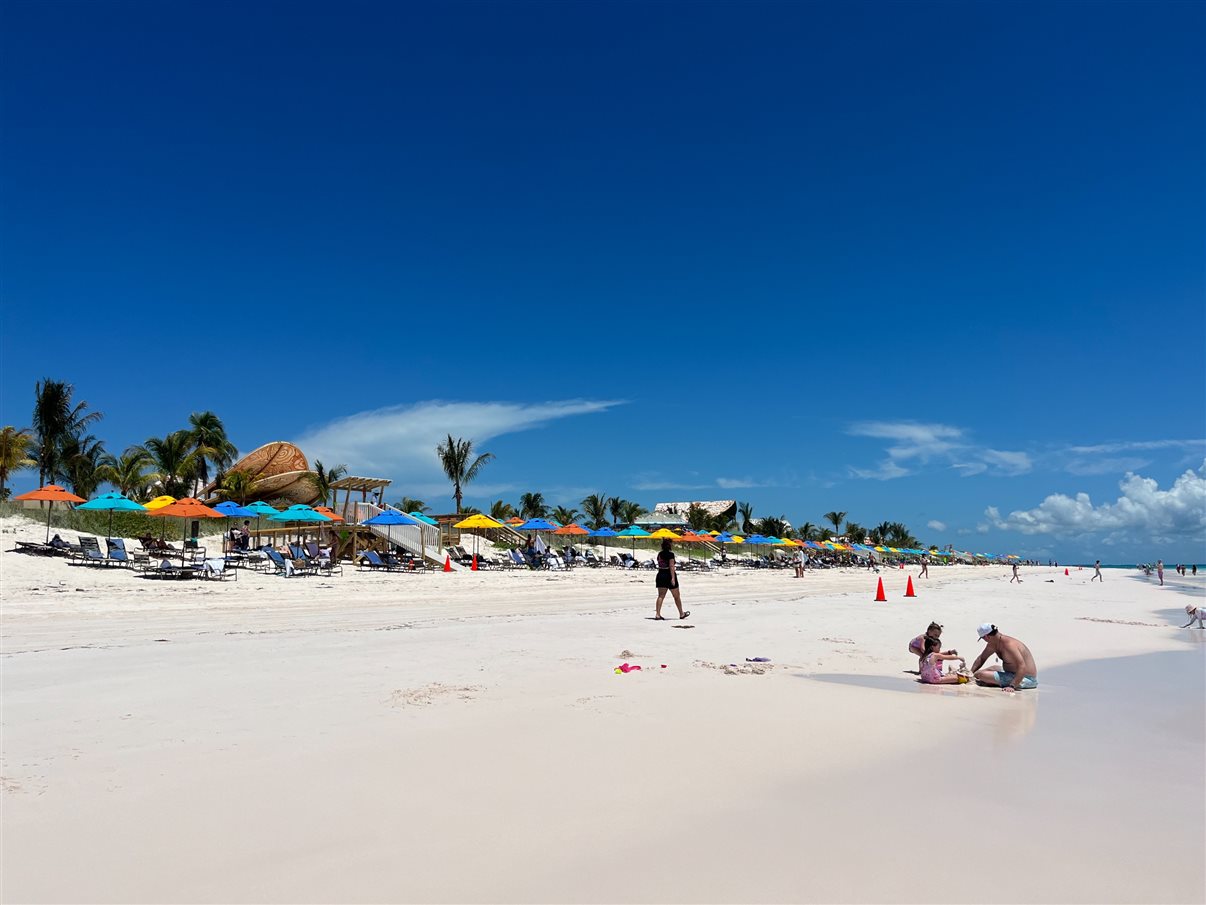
(321, 479)
(879, 534)
(127, 472)
(410, 504)
(806, 531)
(210, 445)
(82, 459)
(899, 536)
(532, 505)
(500, 511)
(698, 517)
(455, 455)
(175, 464)
(631, 512)
(55, 421)
(238, 485)
(835, 519)
(15, 449)
(771, 526)
(565, 515)
(745, 516)
(594, 507)
(615, 506)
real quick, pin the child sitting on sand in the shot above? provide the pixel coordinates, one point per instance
(917, 645)
(931, 665)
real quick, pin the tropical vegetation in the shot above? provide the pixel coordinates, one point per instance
(460, 465)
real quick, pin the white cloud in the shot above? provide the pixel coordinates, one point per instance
(1087, 467)
(1143, 510)
(1131, 445)
(936, 525)
(402, 439)
(1007, 462)
(738, 483)
(917, 444)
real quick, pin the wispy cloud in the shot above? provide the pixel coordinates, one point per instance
(1136, 445)
(915, 445)
(1142, 509)
(739, 483)
(936, 525)
(402, 439)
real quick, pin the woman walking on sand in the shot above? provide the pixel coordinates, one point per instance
(667, 580)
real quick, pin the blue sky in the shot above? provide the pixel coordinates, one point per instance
(935, 263)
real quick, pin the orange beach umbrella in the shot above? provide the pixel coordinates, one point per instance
(185, 508)
(51, 493)
(329, 513)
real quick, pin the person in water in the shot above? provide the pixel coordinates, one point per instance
(667, 580)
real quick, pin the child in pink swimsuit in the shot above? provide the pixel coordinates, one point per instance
(931, 665)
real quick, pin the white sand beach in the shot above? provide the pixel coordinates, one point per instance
(464, 738)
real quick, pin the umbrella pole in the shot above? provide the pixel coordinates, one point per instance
(48, 509)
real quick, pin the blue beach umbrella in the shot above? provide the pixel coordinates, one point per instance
(260, 509)
(390, 517)
(234, 510)
(605, 533)
(536, 524)
(634, 532)
(112, 502)
(424, 518)
(301, 514)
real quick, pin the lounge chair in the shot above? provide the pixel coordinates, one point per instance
(374, 562)
(89, 553)
(117, 552)
(287, 567)
(167, 569)
(323, 562)
(219, 569)
(62, 548)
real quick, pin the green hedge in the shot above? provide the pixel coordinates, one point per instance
(125, 524)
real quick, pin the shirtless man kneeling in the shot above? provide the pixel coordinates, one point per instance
(1017, 663)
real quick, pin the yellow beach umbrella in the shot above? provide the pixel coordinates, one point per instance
(664, 533)
(159, 502)
(477, 520)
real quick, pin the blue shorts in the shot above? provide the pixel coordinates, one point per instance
(1006, 678)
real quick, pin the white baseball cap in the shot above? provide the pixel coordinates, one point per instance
(985, 630)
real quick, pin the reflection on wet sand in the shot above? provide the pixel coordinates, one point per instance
(1016, 717)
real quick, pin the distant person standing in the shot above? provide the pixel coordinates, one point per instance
(1016, 577)
(667, 580)
(798, 562)
(1160, 571)
(1097, 573)
(925, 568)
(1195, 570)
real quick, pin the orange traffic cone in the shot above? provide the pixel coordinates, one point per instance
(1065, 571)
(880, 597)
(447, 563)
(473, 568)
(909, 589)
(902, 565)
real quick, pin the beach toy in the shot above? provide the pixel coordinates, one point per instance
(880, 597)
(909, 589)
